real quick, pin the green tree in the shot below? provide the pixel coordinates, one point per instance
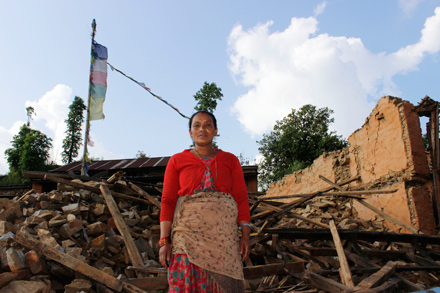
(141, 155)
(29, 151)
(72, 142)
(207, 97)
(295, 142)
(29, 112)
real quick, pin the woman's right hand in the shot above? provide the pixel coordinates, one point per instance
(165, 255)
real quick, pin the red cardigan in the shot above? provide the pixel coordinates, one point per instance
(184, 173)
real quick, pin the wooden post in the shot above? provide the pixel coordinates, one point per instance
(87, 128)
(435, 156)
(386, 216)
(96, 190)
(133, 252)
(144, 194)
(72, 263)
(344, 270)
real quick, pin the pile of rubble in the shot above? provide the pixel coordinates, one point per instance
(92, 236)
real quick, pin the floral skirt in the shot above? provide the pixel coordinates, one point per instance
(184, 276)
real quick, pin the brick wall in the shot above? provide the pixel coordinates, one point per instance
(387, 152)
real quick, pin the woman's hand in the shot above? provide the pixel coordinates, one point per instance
(165, 250)
(165, 255)
(245, 244)
(245, 248)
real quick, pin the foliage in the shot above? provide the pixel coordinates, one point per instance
(29, 112)
(244, 161)
(13, 179)
(72, 142)
(141, 155)
(96, 159)
(29, 151)
(207, 97)
(295, 142)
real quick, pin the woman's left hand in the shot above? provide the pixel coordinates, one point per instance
(245, 248)
(245, 244)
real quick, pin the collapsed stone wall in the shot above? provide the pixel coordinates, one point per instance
(387, 152)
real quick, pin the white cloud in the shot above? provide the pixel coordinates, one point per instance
(408, 6)
(52, 109)
(297, 66)
(319, 9)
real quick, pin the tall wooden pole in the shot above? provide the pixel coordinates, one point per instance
(86, 135)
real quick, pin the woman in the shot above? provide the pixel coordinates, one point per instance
(204, 204)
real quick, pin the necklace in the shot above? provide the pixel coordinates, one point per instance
(206, 164)
(200, 157)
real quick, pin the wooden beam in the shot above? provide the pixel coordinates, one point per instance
(29, 242)
(133, 252)
(255, 272)
(325, 284)
(379, 277)
(144, 194)
(150, 283)
(323, 234)
(54, 178)
(295, 215)
(388, 217)
(371, 207)
(344, 270)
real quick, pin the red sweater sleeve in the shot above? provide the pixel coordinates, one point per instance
(170, 191)
(239, 191)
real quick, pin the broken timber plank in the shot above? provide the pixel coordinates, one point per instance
(326, 284)
(150, 283)
(54, 178)
(255, 272)
(389, 286)
(29, 242)
(308, 194)
(295, 215)
(144, 194)
(323, 234)
(389, 218)
(115, 177)
(344, 270)
(420, 260)
(353, 194)
(133, 252)
(379, 277)
(386, 216)
(288, 206)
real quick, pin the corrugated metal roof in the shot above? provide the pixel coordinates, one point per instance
(117, 164)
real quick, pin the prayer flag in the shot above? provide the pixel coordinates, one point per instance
(98, 81)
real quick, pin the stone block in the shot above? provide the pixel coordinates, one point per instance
(98, 243)
(99, 209)
(25, 287)
(78, 285)
(36, 264)
(71, 208)
(71, 228)
(5, 227)
(97, 228)
(16, 259)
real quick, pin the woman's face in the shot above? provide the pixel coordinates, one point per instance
(202, 130)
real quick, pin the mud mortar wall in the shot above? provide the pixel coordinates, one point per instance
(388, 153)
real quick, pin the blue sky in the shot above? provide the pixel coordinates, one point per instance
(267, 56)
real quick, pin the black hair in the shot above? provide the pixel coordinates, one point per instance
(205, 112)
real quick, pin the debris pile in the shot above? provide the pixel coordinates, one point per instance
(94, 236)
